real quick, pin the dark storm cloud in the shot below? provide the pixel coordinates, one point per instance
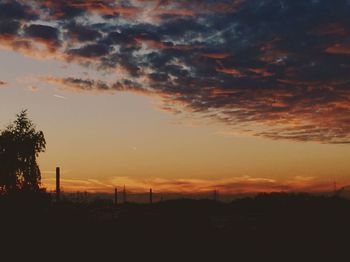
(280, 68)
(89, 51)
(82, 33)
(10, 10)
(63, 9)
(12, 13)
(47, 35)
(42, 32)
(9, 28)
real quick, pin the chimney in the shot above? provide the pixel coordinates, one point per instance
(116, 196)
(150, 196)
(58, 186)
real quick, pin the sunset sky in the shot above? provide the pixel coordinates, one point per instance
(239, 95)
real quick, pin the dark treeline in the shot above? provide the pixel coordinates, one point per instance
(267, 225)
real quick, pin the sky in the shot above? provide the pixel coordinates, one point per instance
(182, 96)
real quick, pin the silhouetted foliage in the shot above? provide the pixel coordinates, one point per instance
(20, 145)
(267, 227)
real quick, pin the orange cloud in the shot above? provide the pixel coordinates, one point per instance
(217, 92)
(331, 29)
(230, 71)
(29, 47)
(339, 49)
(77, 84)
(217, 55)
(105, 7)
(261, 71)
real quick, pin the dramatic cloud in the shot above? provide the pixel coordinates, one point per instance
(10, 10)
(277, 68)
(81, 33)
(44, 34)
(9, 28)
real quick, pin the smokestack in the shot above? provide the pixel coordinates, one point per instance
(116, 196)
(150, 196)
(58, 186)
(124, 195)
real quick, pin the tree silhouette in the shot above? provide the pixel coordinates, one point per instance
(20, 145)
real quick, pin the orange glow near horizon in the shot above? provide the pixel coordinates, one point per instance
(241, 185)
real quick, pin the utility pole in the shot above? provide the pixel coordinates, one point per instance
(58, 186)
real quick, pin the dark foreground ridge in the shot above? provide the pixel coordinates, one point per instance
(276, 225)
